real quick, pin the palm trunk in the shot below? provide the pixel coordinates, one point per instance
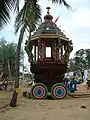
(1, 75)
(15, 93)
(9, 70)
(29, 38)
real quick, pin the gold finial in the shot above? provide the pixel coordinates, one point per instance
(48, 9)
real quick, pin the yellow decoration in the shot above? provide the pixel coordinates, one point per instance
(88, 75)
(72, 77)
(17, 90)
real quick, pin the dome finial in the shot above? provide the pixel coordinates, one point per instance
(48, 9)
(48, 17)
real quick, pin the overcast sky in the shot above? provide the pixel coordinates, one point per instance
(75, 23)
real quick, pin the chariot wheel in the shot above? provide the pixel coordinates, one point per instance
(38, 91)
(59, 91)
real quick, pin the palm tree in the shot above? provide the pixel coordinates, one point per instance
(7, 5)
(27, 19)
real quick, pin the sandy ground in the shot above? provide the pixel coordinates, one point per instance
(27, 109)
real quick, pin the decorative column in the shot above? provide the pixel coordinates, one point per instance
(39, 48)
(35, 53)
(57, 50)
(62, 59)
(43, 49)
(54, 50)
(67, 52)
(59, 41)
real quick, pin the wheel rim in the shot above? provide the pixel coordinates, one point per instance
(59, 91)
(39, 92)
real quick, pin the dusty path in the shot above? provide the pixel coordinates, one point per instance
(68, 109)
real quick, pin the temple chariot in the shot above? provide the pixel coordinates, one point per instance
(49, 60)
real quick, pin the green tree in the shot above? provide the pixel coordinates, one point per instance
(72, 66)
(8, 58)
(87, 58)
(80, 61)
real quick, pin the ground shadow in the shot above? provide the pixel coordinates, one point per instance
(79, 95)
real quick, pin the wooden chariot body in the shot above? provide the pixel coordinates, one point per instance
(49, 66)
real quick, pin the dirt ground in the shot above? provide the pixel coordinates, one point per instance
(27, 109)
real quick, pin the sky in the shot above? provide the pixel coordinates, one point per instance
(75, 23)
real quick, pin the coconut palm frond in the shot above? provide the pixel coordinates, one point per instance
(18, 26)
(16, 9)
(30, 16)
(5, 8)
(61, 2)
(36, 15)
(4, 16)
(65, 3)
(37, 12)
(19, 21)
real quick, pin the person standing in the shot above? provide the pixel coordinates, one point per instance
(73, 81)
(88, 80)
